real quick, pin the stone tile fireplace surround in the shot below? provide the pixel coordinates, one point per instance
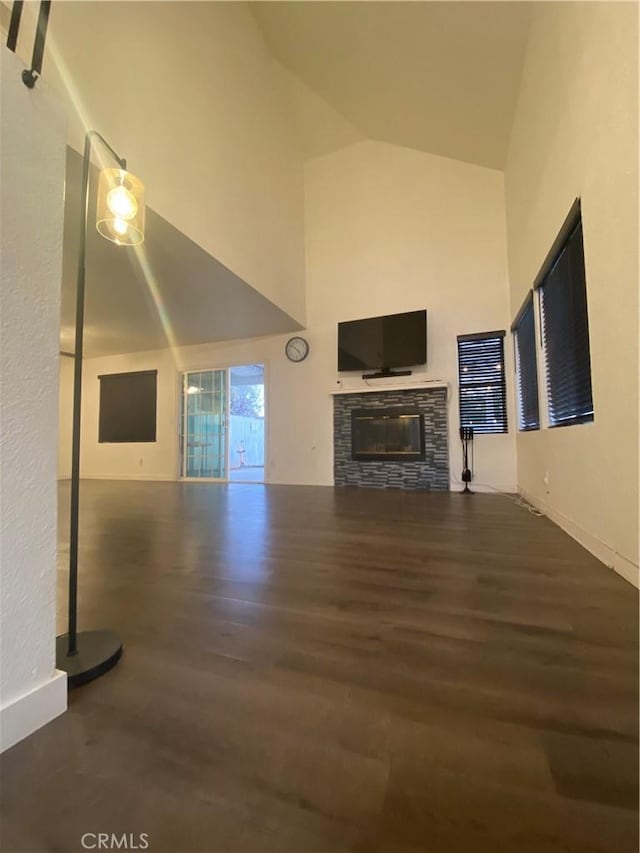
(430, 473)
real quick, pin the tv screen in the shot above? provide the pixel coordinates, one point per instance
(381, 343)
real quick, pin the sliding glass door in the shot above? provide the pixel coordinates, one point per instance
(246, 423)
(222, 424)
(203, 425)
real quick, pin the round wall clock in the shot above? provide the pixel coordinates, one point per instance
(296, 349)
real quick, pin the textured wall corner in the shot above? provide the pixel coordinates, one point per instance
(32, 181)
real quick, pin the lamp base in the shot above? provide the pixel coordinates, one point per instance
(98, 652)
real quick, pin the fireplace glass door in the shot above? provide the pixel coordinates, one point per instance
(387, 434)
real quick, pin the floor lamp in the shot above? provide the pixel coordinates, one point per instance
(120, 219)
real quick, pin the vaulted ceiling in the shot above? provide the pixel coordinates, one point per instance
(170, 292)
(435, 76)
(440, 77)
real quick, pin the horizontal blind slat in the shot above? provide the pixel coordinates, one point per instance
(565, 327)
(482, 388)
(527, 370)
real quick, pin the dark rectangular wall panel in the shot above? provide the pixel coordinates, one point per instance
(128, 407)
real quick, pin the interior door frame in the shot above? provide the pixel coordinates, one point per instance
(180, 374)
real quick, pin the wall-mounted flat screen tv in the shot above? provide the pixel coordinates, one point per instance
(382, 343)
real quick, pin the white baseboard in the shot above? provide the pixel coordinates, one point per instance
(601, 550)
(29, 712)
(154, 477)
(484, 488)
(628, 570)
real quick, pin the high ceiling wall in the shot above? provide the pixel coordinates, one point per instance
(441, 77)
(165, 294)
(189, 93)
(576, 135)
(219, 129)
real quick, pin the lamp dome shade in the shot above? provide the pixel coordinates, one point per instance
(120, 210)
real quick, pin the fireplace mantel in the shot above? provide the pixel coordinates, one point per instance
(375, 388)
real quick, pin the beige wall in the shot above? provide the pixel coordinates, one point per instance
(32, 691)
(391, 229)
(576, 134)
(388, 229)
(152, 461)
(188, 93)
(289, 461)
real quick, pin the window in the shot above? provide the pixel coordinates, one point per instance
(483, 397)
(127, 407)
(565, 327)
(524, 331)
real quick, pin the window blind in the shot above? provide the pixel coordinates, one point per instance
(565, 334)
(524, 331)
(481, 379)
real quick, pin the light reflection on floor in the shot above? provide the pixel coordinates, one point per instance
(247, 475)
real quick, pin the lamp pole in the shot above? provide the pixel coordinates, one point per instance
(88, 654)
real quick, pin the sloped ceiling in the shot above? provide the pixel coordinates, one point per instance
(171, 293)
(440, 77)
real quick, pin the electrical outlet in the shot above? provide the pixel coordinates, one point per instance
(546, 482)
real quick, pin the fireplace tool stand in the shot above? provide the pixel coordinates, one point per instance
(466, 437)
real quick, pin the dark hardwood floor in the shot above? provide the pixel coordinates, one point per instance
(312, 671)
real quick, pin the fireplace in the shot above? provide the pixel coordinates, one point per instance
(392, 468)
(393, 434)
